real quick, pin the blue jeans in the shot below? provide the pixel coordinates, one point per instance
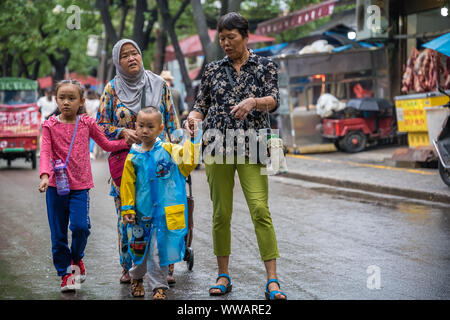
(69, 211)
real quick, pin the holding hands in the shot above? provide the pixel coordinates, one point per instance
(130, 136)
(192, 123)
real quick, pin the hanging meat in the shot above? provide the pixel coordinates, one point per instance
(408, 76)
(423, 71)
(446, 84)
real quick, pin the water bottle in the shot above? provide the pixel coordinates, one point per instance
(62, 181)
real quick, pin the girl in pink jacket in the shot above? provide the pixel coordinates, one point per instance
(61, 142)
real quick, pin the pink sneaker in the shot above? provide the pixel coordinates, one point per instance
(79, 266)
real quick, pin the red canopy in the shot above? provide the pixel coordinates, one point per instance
(45, 82)
(297, 18)
(83, 79)
(192, 47)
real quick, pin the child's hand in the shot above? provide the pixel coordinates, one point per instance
(44, 183)
(128, 218)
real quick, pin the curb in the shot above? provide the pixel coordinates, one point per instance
(420, 195)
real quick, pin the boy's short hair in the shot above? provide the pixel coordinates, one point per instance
(150, 110)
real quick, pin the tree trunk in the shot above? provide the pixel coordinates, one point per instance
(169, 25)
(7, 62)
(59, 64)
(202, 30)
(160, 50)
(103, 7)
(23, 68)
(36, 67)
(138, 25)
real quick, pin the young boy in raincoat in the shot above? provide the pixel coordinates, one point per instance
(154, 202)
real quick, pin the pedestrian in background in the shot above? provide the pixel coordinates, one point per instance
(92, 103)
(66, 138)
(47, 106)
(119, 105)
(244, 105)
(154, 201)
(176, 95)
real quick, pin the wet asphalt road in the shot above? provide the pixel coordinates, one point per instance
(334, 244)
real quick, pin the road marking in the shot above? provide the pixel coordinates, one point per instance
(368, 165)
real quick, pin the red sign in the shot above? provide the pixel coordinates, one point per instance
(19, 120)
(296, 18)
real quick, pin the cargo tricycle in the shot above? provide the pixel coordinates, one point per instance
(363, 122)
(19, 119)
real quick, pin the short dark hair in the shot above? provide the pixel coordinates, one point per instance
(151, 110)
(233, 20)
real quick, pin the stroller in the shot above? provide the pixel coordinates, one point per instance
(189, 253)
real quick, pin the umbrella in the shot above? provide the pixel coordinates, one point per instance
(440, 44)
(369, 104)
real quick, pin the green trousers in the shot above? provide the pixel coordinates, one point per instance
(256, 192)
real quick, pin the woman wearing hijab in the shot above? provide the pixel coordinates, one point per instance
(119, 105)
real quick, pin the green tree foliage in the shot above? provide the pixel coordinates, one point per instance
(38, 34)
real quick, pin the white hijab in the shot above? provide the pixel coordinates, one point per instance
(129, 87)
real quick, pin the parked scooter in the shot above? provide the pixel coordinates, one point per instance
(442, 146)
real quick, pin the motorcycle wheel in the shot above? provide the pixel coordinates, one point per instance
(445, 174)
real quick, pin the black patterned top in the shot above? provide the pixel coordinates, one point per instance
(258, 77)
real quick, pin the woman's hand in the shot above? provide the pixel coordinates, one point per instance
(130, 136)
(43, 186)
(242, 110)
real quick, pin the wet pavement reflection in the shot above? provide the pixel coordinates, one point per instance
(334, 244)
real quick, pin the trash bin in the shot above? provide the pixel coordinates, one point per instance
(435, 119)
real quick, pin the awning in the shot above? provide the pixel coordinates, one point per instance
(83, 79)
(296, 18)
(270, 50)
(45, 82)
(192, 46)
(440, 44)
(11, 83)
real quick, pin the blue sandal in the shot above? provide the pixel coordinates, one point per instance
(222, 288)
(271, 295)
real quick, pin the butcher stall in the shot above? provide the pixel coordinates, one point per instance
(419, 110)
(303, 78)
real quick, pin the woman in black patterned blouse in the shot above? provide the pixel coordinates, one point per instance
(234, 98)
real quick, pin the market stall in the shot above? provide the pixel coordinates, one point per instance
(305, 77)
(419, 110)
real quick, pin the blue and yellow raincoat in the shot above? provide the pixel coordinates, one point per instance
(154, 189)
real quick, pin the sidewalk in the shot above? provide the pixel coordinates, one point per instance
(371, 171)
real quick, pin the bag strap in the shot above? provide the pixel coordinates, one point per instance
(71, 143)
(230, 79)
(143, 97)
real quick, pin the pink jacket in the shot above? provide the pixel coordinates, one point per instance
(56, 138)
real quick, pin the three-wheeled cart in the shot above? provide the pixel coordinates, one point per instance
(19, 119)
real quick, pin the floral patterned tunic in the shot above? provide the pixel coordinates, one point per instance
(258, 77)
(113, 116)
